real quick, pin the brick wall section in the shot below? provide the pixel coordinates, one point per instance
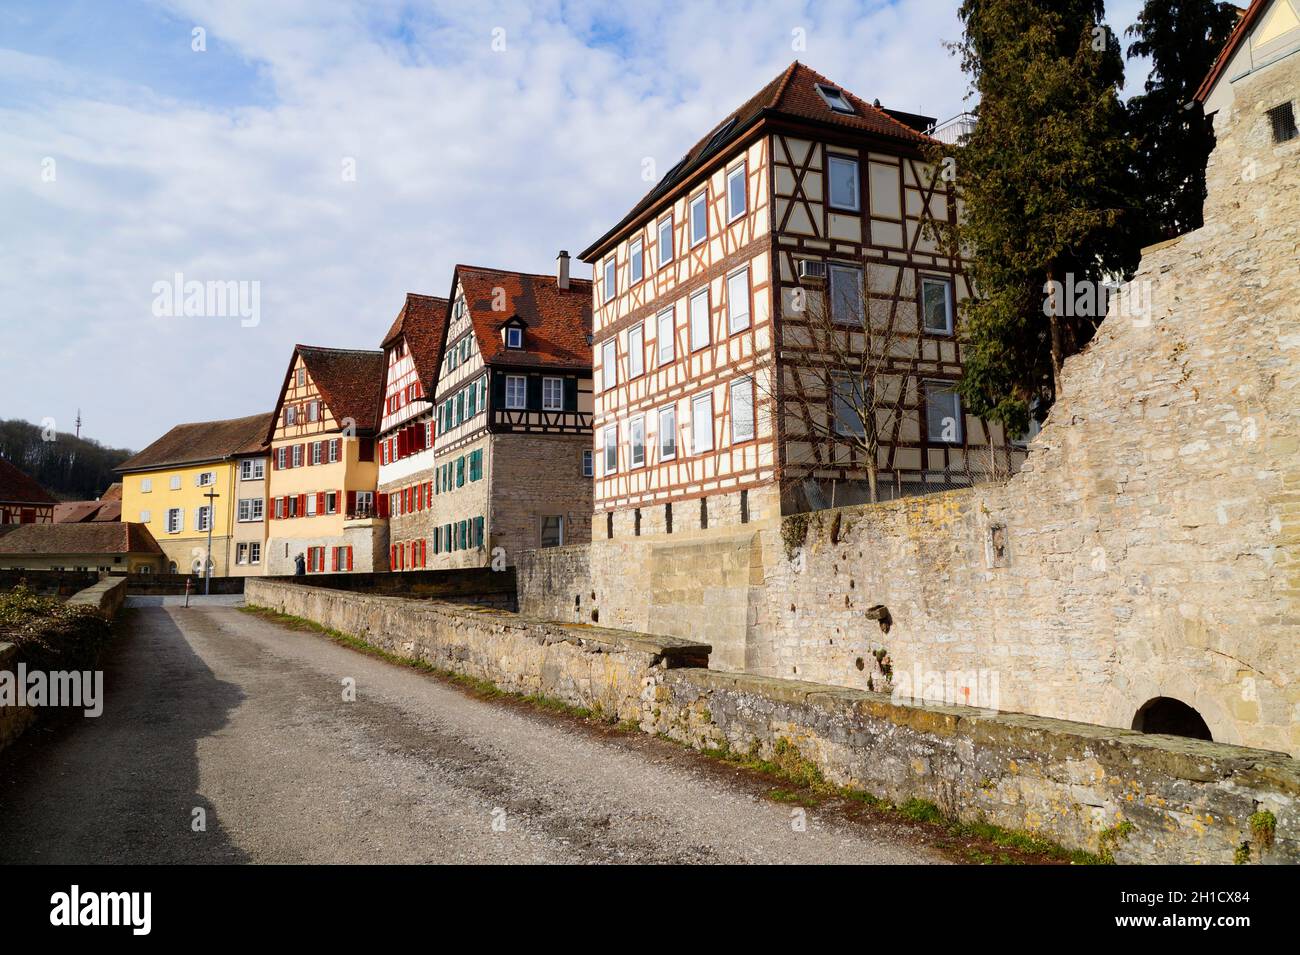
(533, 476)
(1150, 545)
(1073, 783)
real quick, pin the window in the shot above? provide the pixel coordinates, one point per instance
(250, 509)
(608, 365)
(588, 467)
(252, 469)
(175, 482)
(936, 305)
(516, 392)
(699, 210)
(316, 452)
(702, 424)
(742, 410)
(291, 415)
(553, 531)
(255, 553)
(846, 295)
(664, 343)
(297, 455)
(552, 394)
(636, 442)
(302, 377)
(281, 458)
(635, 262)
(738, 301)
(146, 485)
(848, 405)
(313, 411)
(331, 502)
(334, 450)
(1282, 118)
(700, 319)
(636, 351)
(942, 412)
(609, 440)
(311, 505)
(145, 517)
(514, 337)
(843, 178)
(611, 272)
(835, 98)
(202, 517)
(241, 554)
(668, 433)
(665, 241)
(736, 195)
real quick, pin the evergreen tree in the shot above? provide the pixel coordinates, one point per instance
(1045, 179)
(1174, 137)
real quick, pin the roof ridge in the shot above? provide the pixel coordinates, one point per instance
(531, 275)
(785, 82)
(341, 351)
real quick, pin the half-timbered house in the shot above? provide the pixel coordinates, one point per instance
(322, 505)
(406, 430)
(512, 420)
(22, 499)
(799, 230)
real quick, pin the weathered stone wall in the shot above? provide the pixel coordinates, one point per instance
(535, 476)
(1142, 798)
(1150, 546)
(13, 719)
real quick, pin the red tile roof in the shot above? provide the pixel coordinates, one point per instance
(791, 95)
(350, 381)
(202, 441)
(91, 538)
(422, 322)
(82, 512)
(558, 322)
(113, 493)
(18, 487)
(1234, 40)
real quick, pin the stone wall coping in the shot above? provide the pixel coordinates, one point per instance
(98, 595)
(1043, 737)
(672, 649)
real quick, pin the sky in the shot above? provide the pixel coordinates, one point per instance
(326, 157)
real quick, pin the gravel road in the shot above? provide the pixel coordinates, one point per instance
(213, 709)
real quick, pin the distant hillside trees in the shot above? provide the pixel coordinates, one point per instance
(69, 467)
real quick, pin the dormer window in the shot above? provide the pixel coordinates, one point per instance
(835, 99)
(514, 333)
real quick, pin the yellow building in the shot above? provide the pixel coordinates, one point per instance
(322, 513)
(166, 488)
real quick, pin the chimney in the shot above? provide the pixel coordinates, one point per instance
(562, 270)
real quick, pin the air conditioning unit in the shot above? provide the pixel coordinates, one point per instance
(811, 270)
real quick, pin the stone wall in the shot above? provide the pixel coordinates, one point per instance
(535, 476)
(1150, 546)
(1142, 798)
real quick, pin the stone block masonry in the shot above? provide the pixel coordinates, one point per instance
(1138, 798)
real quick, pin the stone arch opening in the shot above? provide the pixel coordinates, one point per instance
(1164, 714)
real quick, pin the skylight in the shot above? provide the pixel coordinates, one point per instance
(717, 138)
(835, 98)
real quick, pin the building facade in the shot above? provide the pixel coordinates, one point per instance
(188, 481)
(511, 425)
(776, 293)
(22, 499)
(406, 469)
(104, 546)
(322, 510)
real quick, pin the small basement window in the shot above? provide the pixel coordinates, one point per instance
(1283, 120)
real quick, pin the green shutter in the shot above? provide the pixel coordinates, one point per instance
(534, 393)
(570, 394)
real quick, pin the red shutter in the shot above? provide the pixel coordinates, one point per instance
(275, 461)
(320, 502)
(381, 504)
(352, 502)
(302, 504)
(349, 558)
(424, 551)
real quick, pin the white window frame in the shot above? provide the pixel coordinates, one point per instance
(175, 482)
(702, 438)
(611, 277)
(523, 399)
(297, 455)
(514, 338)
(746, 387)
(334, 445)
(668, 316)
(699, 322)
(739, 172)
(146, 517)
(950, 388)
(311, 505)
(635, 261)
(255, 552)
(241, 553)
(558, 404)
(946, 285)
(202, 517)
(831, 160)
(636, 351)
(849, 272)
(667, 429)
(146, 485)
(317, 453)
(175, 520)
(608, 445)
(737, 322)
(636, 442)
(608, 365)
(588, 463)
(661, 231)
(698, 203)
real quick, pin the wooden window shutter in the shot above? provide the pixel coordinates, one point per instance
(302, 503)
(381, 503)
(352, 502)
(570, 394)
(349, 557)
(320, 502)
(534, 392)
